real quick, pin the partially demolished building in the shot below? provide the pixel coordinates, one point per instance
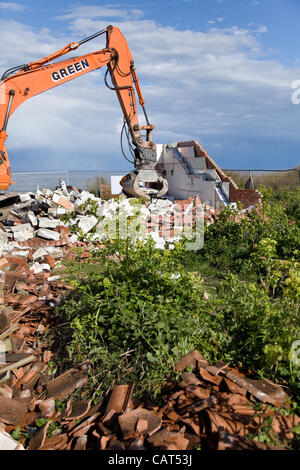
(190, 171)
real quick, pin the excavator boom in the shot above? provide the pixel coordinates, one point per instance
(25, 81)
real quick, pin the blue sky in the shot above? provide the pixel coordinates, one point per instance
(219, 71)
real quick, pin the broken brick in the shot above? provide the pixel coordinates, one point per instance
(66, 383)
(129, 423)
(193, 359)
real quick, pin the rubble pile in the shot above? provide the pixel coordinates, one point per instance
(210, 408)
(33, 220)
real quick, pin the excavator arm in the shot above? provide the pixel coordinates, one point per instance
(25, 81)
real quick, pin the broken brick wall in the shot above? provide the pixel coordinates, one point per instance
(248, 197)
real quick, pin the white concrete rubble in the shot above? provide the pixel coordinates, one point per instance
(39, 267)
(32, 218)
(48, 234)
(86, 223)
(45, 222)
(25, 197)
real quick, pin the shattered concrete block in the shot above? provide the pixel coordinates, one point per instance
(73, 238)
(47, 192)
(61, 211)
(39, 254)
(25, 197)
(46, 202)
(23, 232)
(31, 218)
(159, 241)
(53, 211)
(39, 196)
(23, 253)
(4, 246)
(4, 235)
(57, 211)
(44, 222)
(23, 236)
(86, 223)
(73, 191)
(102, 210)
(85, 195)
(38, 268)
(54, 251)
(48, 234)
(21, 227)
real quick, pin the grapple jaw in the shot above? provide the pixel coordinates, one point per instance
(146, 183)
(147, 179)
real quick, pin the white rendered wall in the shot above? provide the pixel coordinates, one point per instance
(183, 185)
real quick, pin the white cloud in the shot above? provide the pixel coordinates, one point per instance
(261, 29)
(216, 86)
(218, 20)
(12, 6)
(99, 12)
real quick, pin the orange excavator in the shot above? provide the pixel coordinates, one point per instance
(20, 83)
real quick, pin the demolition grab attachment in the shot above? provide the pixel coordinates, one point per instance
(147, 180)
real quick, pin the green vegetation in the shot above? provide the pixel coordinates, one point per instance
(136, 310)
